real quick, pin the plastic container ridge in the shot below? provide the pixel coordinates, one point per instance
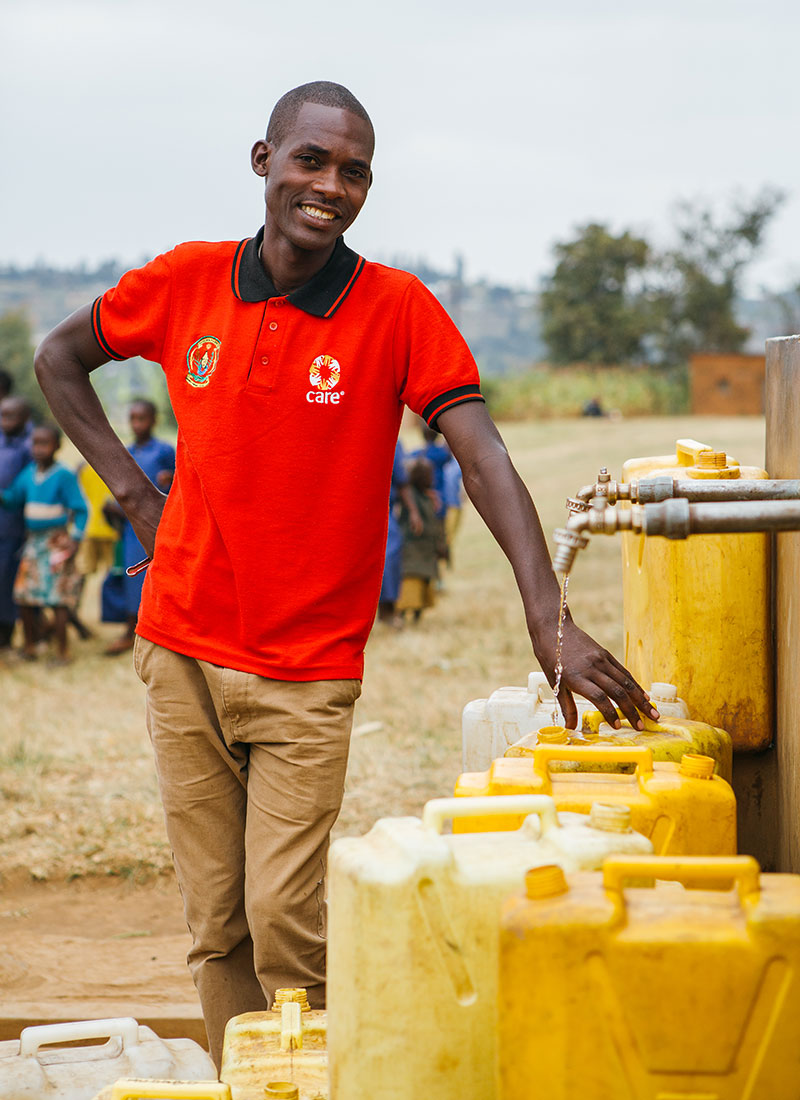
(33, 1068)
(697, 611)
(490, 726)
(680, 811)
(413, 926)
(669, 739)
(287, 1044)
(686, 993)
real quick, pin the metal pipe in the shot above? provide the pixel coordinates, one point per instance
(672, 519)
(653, 489)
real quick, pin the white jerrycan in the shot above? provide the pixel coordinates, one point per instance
(31, 1068)
(490, 726)
(413, 940)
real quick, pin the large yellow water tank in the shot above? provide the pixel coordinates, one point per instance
(610, 991)
(697, 611)
(683, 808)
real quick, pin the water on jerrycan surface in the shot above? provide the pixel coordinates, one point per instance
(412, 948)
(682, 992)
(32, 1068)
(669, 739)
(683, 808)
(697, 611)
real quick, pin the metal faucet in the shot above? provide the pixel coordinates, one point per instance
(651, 490)
(674, 518)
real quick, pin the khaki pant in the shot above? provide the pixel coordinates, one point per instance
(251, 773)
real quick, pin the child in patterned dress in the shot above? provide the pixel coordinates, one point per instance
(55, 513)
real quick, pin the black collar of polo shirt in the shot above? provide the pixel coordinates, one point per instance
(321, 296)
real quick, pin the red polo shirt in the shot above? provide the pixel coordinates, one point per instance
(270, 551)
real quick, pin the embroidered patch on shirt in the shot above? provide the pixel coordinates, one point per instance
(201, 359)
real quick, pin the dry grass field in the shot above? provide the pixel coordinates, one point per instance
(77, 789)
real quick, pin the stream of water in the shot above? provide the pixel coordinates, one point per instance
(559, 644)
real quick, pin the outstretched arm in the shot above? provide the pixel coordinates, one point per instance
(500, 496)
(64, 360)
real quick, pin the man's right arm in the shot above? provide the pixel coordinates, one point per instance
(64, 360)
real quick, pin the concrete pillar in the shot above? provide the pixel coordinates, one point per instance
(782, 408)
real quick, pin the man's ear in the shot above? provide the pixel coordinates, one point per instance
(260, 156)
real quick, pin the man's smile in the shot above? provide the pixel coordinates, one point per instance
(317, 213)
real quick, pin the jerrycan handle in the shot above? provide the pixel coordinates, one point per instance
(639, 755)
(132, 1089)
(439, 810)
(687, 451)
(124, 1028)
(593, 719)
(743, 870)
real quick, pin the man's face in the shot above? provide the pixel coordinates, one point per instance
(317, 178)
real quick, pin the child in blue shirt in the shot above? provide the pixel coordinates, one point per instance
(49, 498)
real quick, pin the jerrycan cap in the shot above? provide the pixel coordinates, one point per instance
(282, 1088)
(289, 996)
(696, 766)
(553, 735)
(664, 693)
(610, 818)
(545, 882)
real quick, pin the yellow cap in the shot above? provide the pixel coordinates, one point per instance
(545, 882)
(552, 735)
(291, 996)
(696, 766)
(282, 1088)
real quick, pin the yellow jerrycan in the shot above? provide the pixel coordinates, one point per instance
(669, 739)
(613, 989)
(412, 946)
(288, 1043)
(683, 808)
(144, 1089)
(697, 611)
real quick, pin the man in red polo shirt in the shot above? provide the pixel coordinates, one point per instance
(289, 359)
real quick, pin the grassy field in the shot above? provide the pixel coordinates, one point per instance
(77, 787)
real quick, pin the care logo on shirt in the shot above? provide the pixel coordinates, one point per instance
(324, 374)
(201, 359)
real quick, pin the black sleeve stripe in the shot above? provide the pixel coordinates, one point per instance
(433, 408)
(98, 332)
(434, 421)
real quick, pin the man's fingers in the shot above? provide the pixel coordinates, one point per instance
(568, 708)
(640, 697)
(608, 695)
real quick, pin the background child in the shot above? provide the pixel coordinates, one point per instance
(55, 513)
(15, 454)
(157, 459)
(422, 548)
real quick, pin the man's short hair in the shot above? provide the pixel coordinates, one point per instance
(325, 92)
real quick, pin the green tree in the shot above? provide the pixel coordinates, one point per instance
(16, 356)
(701, 276)
(594, 308)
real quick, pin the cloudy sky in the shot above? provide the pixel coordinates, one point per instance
(126, 124)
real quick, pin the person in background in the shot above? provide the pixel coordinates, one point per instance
(157, 459)
(392, 569)
(438, 454)
(15, 454)
(423, 549)
(96, 553)
(453, 498)
(48, 496)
